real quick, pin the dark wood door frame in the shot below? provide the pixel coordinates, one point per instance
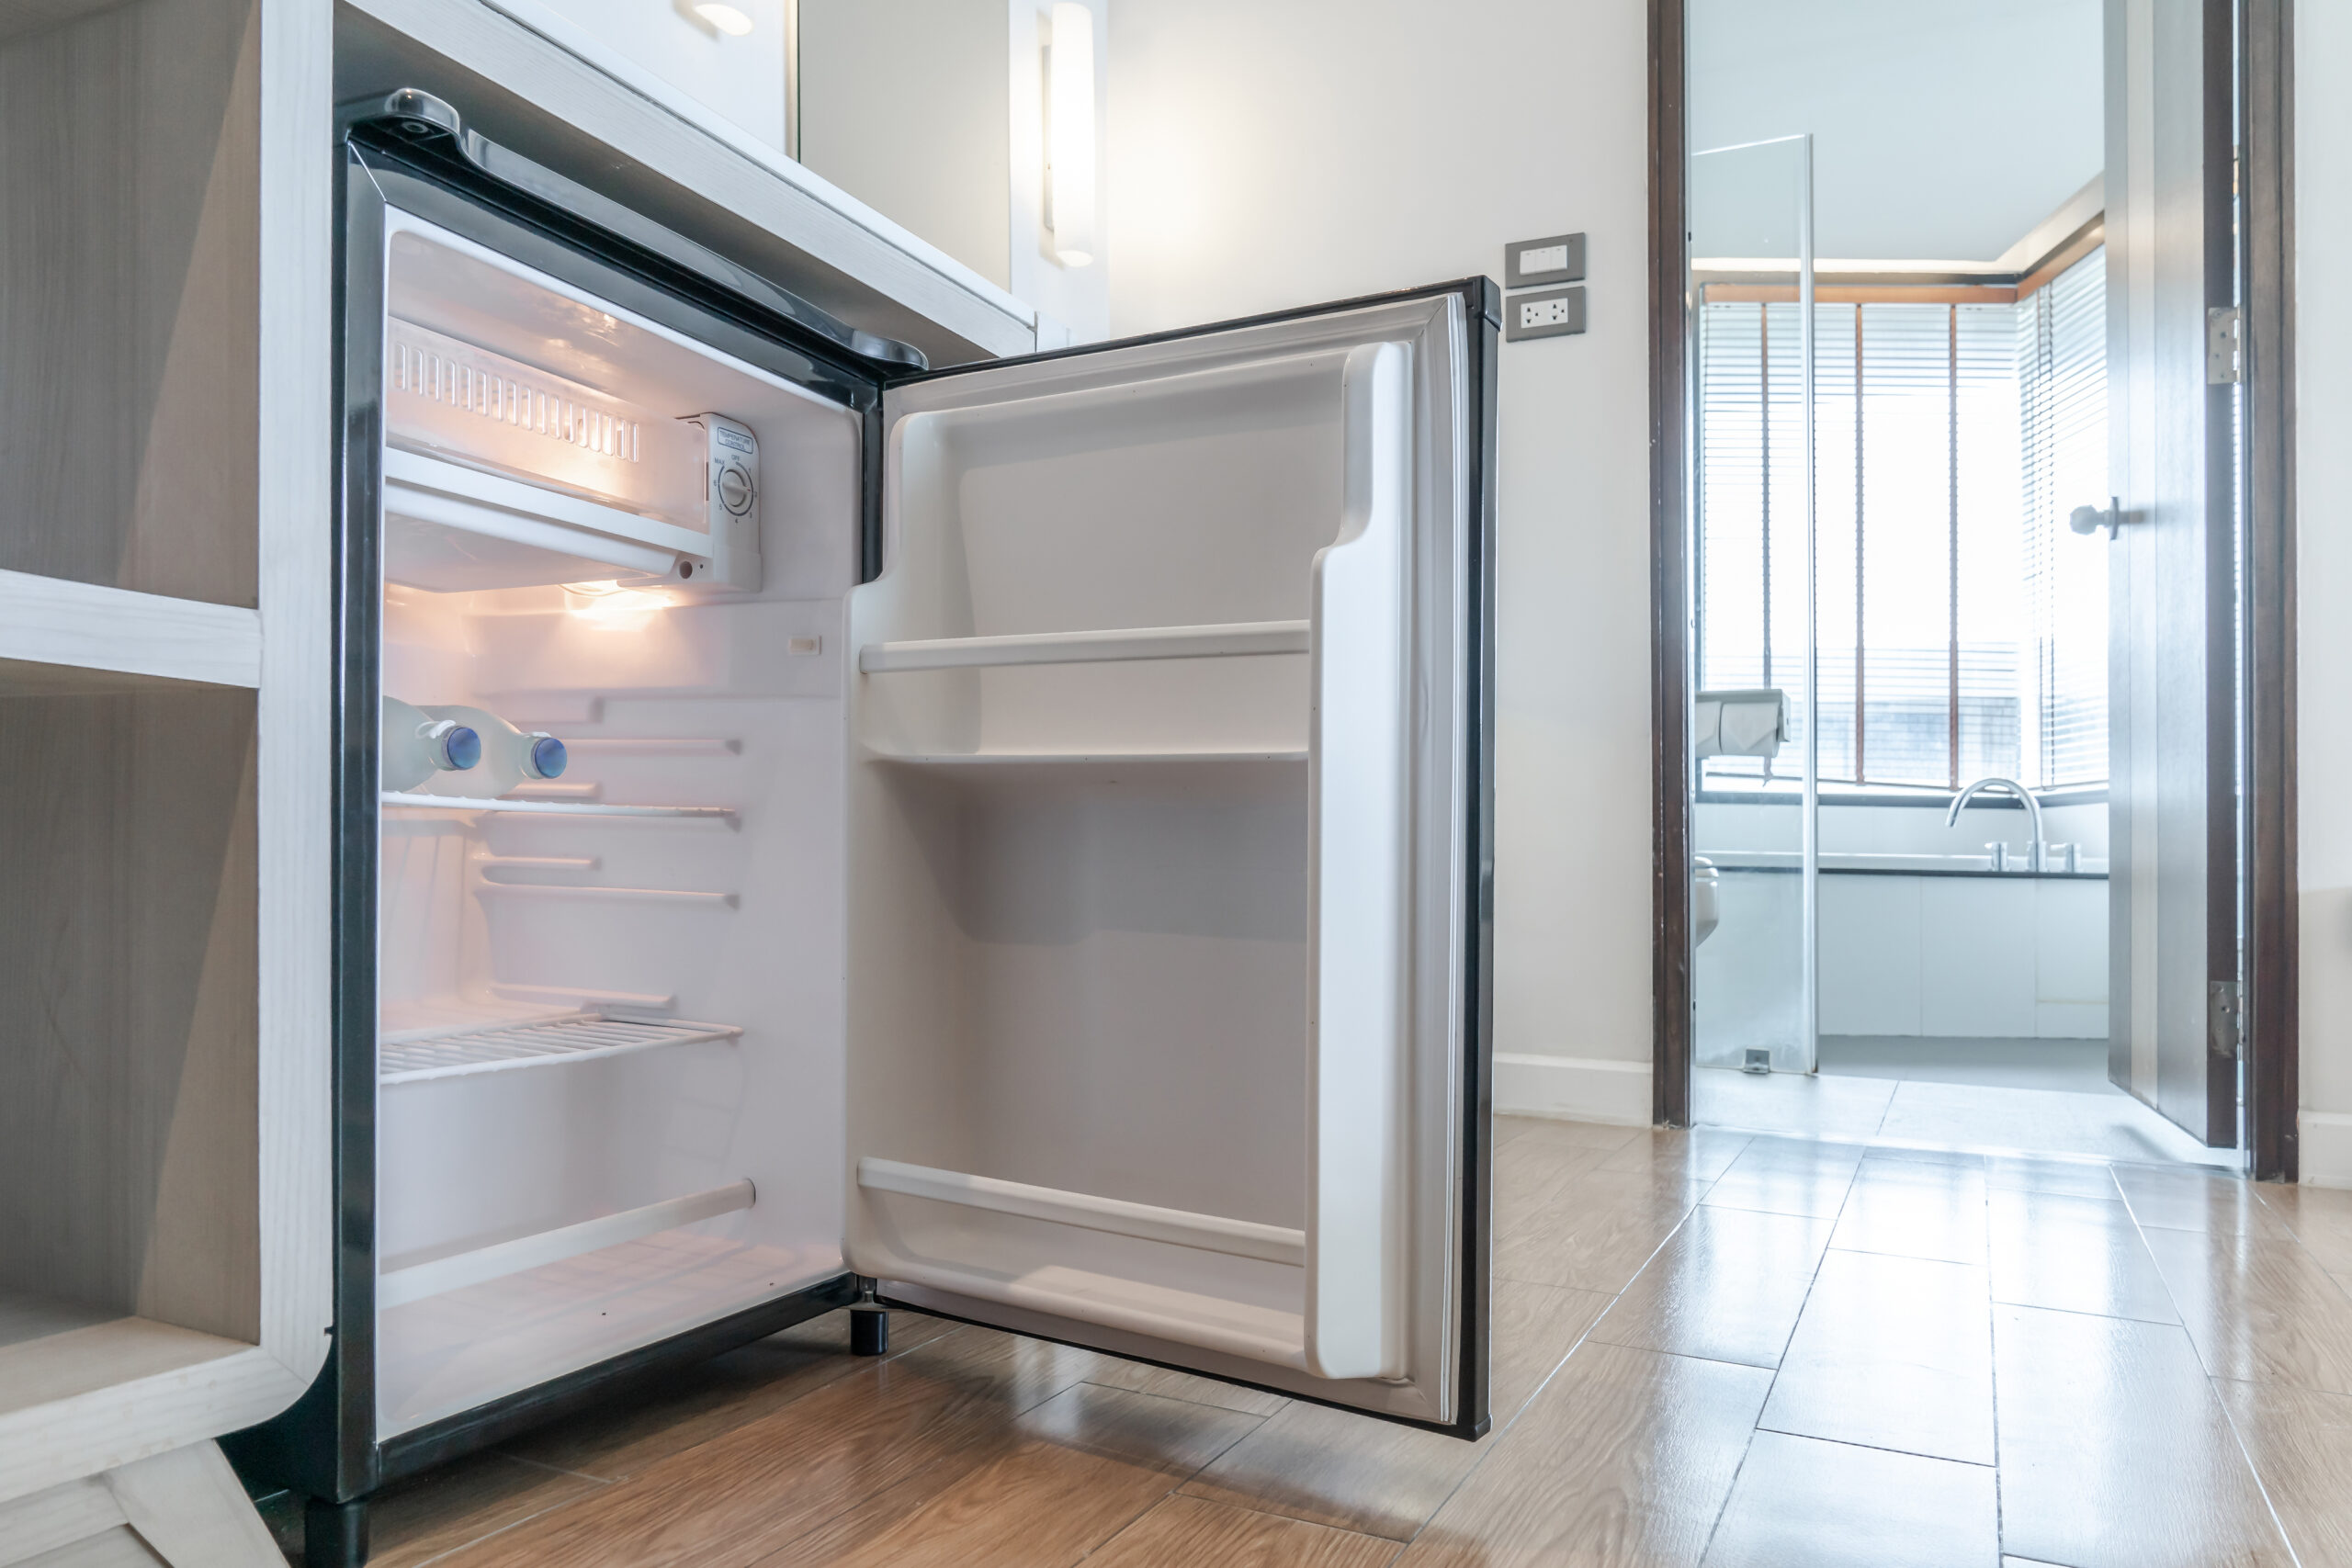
(2265, 269)
(1669, 570)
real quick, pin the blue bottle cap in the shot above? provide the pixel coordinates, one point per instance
(460, 749)
(548, 757)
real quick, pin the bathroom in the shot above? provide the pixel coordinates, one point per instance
(1912, 592)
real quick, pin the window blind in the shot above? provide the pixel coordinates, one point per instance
(1961, 628)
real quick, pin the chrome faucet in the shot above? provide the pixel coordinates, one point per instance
(2032, 809)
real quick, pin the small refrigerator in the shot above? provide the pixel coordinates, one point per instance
(1013, 842)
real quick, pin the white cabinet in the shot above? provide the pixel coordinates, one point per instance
(163, 624)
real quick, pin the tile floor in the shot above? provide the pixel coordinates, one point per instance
(1709, 1348)
(1889, 1107)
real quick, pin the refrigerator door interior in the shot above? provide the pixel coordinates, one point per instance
(1166, 798)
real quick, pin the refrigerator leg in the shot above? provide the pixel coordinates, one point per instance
(334, 1535)
(869, 1331)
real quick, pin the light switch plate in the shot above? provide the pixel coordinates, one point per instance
(1546, 312)
(1556, 259)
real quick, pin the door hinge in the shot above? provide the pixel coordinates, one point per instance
(2225, 350)
(2222, 1022)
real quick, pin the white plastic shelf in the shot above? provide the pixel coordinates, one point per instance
(1236, 639)
(507, 1047)
(1080, 759)
(554, 808)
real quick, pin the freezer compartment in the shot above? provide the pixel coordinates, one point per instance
(535, 435)
(453, 398)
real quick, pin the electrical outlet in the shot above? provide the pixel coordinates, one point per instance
(1550, 313)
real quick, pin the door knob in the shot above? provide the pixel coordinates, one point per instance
(2090, 519)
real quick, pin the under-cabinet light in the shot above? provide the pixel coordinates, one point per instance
(1069, 134)
(725, 18)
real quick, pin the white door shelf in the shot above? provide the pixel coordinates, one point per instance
(1146, 1222)
(398, 1286)
(555, 807)
(1232, 640)
(585, 1038)
(688, 897)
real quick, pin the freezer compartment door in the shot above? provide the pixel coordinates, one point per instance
(1168, 801)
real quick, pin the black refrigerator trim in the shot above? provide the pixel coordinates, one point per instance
(324, 1444)
(430, 133)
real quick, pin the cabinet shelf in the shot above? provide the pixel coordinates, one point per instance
(555, 807)
(503, 1048)
(1235, 639)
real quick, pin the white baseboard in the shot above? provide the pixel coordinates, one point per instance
(1579, 1089)
(2325, 1140)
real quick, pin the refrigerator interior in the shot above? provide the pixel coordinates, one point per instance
(610, 1092)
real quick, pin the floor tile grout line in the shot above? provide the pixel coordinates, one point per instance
(2252, 1470)
(1723, 1506)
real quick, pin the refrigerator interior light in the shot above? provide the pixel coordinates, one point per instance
(726, 18)
(611, 607)
(1069, 134)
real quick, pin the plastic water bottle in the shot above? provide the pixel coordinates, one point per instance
(419, 743)
(508, 755)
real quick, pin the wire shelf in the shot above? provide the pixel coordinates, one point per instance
(549, 1043)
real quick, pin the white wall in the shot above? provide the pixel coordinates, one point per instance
(1272, 155)
(2324, 573)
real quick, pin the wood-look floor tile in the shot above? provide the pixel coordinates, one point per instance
(2115, 1453)
(1802, 1503)
(1915, 1210)
(1699, 1154)
(1336, 1468)
(415, 1520)
(2060, 1177)
(743, 1495)
(1593, 1233)
(1533, 1172)
(1890, 1353)
(1728, 1287)
(1188, 1532)
(2320, 1218)
(1624, 1459)
(2074, 1255)
(1605, 1136)
(2300, 1443)
(694, 1404)
(1134, 1376)
(2178, 1199)
(1071, 1473)
(1786, 1176)
(2258, 1307)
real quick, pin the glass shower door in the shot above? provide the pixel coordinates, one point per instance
(1756, 758)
